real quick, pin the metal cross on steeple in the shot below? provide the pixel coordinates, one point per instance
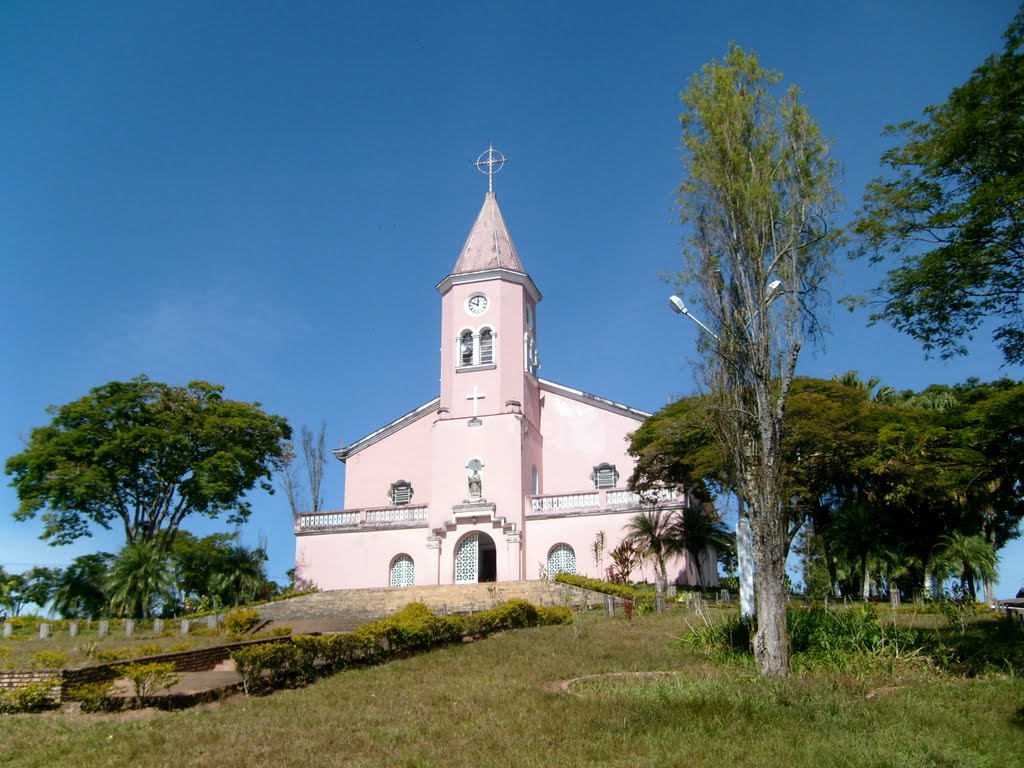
(493, 163)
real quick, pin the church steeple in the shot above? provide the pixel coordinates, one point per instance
(489, 245)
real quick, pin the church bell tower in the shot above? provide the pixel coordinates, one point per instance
(486, 438)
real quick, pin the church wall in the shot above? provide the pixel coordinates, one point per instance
(399, 456)
(496, 443)
(580, 533)
(362, 560)
(578, 437)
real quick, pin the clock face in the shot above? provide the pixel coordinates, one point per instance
(476, 304)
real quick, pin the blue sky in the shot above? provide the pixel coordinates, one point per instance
(264, 195)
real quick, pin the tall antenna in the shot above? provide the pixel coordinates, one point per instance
(490, 162)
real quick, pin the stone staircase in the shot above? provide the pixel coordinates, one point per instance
(345, 609)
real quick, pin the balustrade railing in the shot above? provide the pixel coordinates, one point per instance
(360, 518)
(614, 498)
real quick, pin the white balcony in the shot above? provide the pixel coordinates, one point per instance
(611, 500)
(402, 516)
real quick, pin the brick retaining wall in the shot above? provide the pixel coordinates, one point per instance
(198, 660)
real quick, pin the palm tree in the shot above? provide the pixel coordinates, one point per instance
(81, 589)
(141, 577)
(971, 556)
(870, 389)
(651, 533)
(240, 574)
(697, 530)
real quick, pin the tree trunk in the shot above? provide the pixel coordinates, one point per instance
(660, 582)
(771, 640)
(830, 562)
(865, 587)
(968, 581)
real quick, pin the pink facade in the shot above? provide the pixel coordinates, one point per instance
(504, 476)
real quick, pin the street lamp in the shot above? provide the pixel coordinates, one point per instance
(680, 308)
(744, 536)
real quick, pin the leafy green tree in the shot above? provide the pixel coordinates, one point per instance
(198, 561)
(81, 588)
(240, 576)
(36, 585)
(40, 584)
(12, 586)
(220, 568)
(951, 210)
(146, 455)
(141, 579)
(758, 195)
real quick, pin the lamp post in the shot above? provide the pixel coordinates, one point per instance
(744, 536)
(680, 308)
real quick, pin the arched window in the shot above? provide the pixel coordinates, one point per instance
(466, 348)
(535, 480)
(561, 559)
(486, 346)
(403, 571)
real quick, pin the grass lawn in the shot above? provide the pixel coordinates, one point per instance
(495, 703)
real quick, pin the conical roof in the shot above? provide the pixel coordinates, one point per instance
(489, 245)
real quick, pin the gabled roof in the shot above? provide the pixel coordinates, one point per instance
(489, 245)
(579, 395)
(345, 452)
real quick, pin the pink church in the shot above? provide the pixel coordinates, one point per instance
(505, 476)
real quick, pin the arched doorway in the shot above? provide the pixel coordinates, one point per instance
(476, 559)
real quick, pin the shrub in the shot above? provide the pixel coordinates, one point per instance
(147, 678)
(643, 599)
(277, 660)
(339, 650)
(307, 649)
(48, 660)
(556, 614)
(5, 655)
(241, 620)
(94, 697)
(180, 647)
(33, 697)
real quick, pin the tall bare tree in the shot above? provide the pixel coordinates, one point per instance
(314, 454)
(757, 195)
(313, 446)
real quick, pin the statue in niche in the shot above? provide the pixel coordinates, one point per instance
(475, 483)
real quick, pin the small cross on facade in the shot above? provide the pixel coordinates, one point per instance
(475, 397)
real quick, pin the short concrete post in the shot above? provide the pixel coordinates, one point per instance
(8, 629)
(211, 621)
(129, 627)
(158, 626)
(609, 605)
(103, 628)
(672, 590)
(185, 626)
(44, 631)
(73, 629)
